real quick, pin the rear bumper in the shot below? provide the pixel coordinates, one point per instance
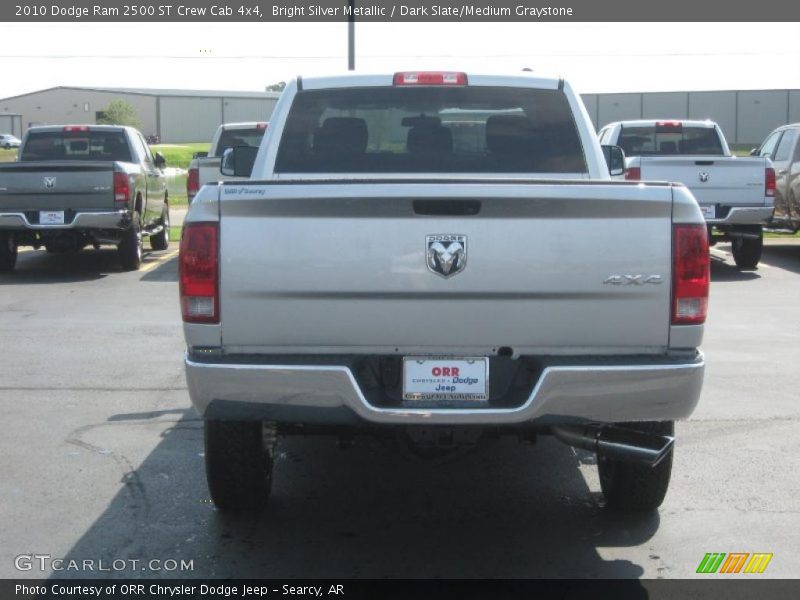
(744, 215)
(331, 395)
(117, 219)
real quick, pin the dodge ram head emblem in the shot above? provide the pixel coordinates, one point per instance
(49, 182)
(704, 176)
(446, 254)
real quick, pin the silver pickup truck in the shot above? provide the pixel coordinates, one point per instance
(736, 194)
(441, 255)
(80, 185)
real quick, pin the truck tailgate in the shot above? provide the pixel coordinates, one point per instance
(208, 171)
(729, 181)
(57, 185)
(316, 267)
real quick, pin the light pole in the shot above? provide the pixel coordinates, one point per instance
(351, 37)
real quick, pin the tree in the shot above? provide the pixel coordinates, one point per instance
(276, 87)
(119, 112)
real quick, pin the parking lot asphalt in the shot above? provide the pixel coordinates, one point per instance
(102, 455)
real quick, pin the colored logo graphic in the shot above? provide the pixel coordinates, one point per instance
(735, 562)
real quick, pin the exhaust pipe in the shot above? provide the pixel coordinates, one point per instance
(744, 235)
(99, 239)
(617, 443)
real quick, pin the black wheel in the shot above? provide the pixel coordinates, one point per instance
(160, 241)
(8, 252)
(238, 464)
(631, 487)
(747, 251)
(130, 248)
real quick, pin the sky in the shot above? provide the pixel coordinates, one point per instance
(594, 57)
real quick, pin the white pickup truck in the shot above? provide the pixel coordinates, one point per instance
(736, 194)
(437, 255)
(204, 167)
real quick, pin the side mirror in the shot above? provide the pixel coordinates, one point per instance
(615, 159)
(160, 161)
(238, 161)
(754, 152)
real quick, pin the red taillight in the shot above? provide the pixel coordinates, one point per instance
(633, 173)
(769, 182)
(192, 183)
(262, 125)
(668, 124)
(122, 189)
(75, 128)
(690, 274)
(198, 268)
(430, 78)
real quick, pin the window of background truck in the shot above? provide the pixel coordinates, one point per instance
(769, 144)
(652, 140)
(785, 147)
(430, 130)
(142, 149)
(230, 138)
(76, 145)
(796, 157)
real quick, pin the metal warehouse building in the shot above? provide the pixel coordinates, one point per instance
(174, 115)
(746, 117)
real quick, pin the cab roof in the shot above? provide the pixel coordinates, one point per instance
(705, 123)
(345, 80)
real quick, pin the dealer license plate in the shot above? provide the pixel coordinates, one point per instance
(51, 217)
(446, 379)
(709, 211)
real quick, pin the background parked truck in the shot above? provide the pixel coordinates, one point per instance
(204, 167)
(83, 185)
(736, 194)
(782, 147)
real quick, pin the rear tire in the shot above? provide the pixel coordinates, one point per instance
(160, 241)
(8, 252)
(130, 248)
(747, 251)
(238, 465)
(635, 488)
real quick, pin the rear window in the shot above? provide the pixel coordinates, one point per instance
(230, 138)
(430, 130)
(670, 140)
(76, 145)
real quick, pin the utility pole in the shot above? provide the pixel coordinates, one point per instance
(351, 37)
